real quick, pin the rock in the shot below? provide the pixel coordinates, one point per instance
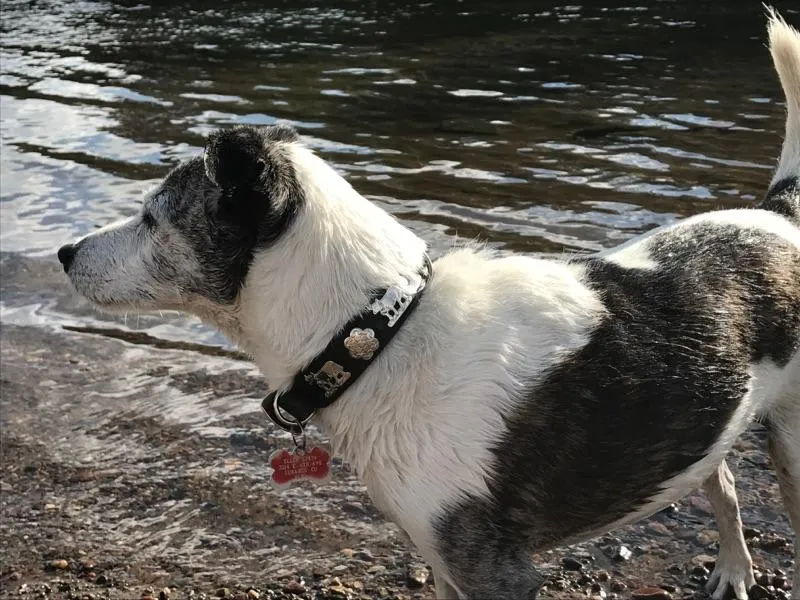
(651, 593)
(340, 569)
(364, 556)
(622, 554)
(571, 564)
(657, 528)
(253, 594)
(87, 564)
(295, 587)
(704, 560)
(338, 591)
(759, 592)
(164, 594)
(354, 508)
(602, 576)
(675, 569)
(774, 542)
(375, 569)
(59, 564)
(751, 532)
(416, 577)
(617, 587)
(670, 511)
(706, 538)
(222, 593)
(764, 579)
(700, 571)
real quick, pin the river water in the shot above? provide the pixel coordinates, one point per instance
(534, 126)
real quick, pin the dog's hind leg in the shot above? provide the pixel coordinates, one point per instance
(734, 568)
(784, 449)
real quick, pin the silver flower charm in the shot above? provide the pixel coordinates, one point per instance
(361, 343)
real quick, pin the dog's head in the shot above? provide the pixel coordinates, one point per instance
(195, 237)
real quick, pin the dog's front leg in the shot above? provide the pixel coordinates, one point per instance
(734, 568)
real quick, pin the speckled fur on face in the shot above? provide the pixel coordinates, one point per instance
(199, 230)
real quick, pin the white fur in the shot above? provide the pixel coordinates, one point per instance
(419, 423)
(635, 253)
(785, 48)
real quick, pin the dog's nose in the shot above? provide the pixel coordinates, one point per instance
(65, 255)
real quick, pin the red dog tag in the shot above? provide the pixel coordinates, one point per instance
(310, 464)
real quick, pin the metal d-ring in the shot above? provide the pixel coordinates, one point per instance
(286, 420)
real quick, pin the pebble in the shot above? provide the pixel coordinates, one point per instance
(700, 571)
(59, 563)
(759, 592)
(253, 594)
(295, 587)
(222, 593)
(622, 554)
(416, 577)
(571, 564)
(364, 555)
(657, 528)
(704, 560)
(164, 594)
(651, 593)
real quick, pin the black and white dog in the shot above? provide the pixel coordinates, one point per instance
(524, 403)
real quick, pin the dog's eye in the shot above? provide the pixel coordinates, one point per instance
(148, 220)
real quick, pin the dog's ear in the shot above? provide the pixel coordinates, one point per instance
(234, 158)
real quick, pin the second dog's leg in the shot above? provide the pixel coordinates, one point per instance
(734, 568)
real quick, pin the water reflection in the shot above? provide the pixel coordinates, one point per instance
(536, 127)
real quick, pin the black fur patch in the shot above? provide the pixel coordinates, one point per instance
(241, 197)
(642, 401)
(784, 199)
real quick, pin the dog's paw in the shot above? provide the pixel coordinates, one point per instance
(731, 579)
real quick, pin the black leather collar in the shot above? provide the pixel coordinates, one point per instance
(346, 357)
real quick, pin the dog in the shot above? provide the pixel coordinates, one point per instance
(524, 403)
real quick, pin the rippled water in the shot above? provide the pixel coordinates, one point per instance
(535, 127)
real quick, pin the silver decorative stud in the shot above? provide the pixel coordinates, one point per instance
(329, 378)
(393, 304)
(361, 343)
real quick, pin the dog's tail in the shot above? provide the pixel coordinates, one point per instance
(784, 190)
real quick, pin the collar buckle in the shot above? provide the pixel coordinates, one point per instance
(281, 417)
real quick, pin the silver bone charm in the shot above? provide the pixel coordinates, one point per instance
(393, 304)
(329, 378)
